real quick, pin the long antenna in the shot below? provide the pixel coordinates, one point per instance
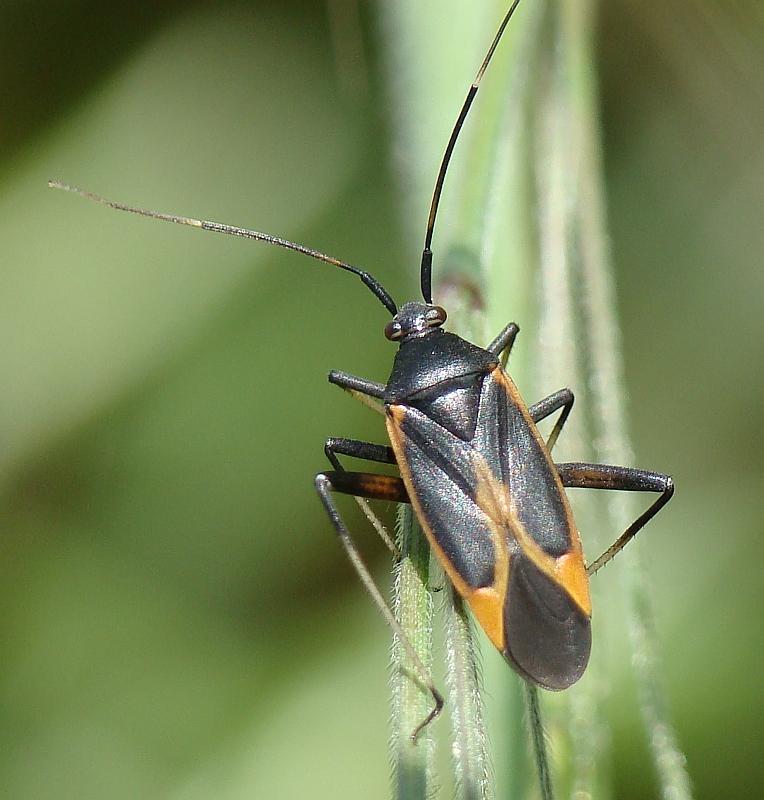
(426, 270)
(369, 280)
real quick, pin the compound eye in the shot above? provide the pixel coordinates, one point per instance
(393, 330)
(435, 316)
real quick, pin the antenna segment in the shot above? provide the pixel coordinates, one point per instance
(426, 270)
(370, 281)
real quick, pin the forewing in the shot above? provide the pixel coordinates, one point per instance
(438, 470)
(495, 512)
(507, 439)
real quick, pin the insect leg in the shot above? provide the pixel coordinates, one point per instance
(603, 476)
(368, 452)
(350, 382)
(541, 410)
(502, 344)
(384, 487)
(359, 388)
(357, 449)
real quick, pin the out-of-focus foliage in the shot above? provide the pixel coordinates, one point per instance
(177, 621)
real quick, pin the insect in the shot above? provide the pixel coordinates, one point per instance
(472, 463)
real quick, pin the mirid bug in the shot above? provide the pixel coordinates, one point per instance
(472, 463)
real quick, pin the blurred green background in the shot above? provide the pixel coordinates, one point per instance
(177, 620)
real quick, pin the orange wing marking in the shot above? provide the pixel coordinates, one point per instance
(494, 499)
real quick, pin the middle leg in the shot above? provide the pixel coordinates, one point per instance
(603, 476)
(378, 487)
(355, 448)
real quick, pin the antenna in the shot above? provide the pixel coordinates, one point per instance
(369, 280)
(426, 270)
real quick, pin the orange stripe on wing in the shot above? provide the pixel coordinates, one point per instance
(486, 603)
(495, 500)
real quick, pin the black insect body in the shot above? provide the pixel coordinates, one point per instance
(486, 491)
(468, 446)
(481, 479)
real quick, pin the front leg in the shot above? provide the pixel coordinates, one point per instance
(352, 383)
(360, 388)
(603, 476)
(502, 345)
(541, 410)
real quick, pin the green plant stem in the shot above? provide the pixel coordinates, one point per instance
(470, 748)
(469, 740)
(412, 762)
(473, 776)
(487, 249)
